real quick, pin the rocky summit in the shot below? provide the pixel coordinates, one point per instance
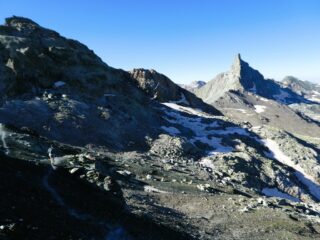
(88, 151)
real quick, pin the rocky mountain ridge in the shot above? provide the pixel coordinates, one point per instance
(241, 77)
(243, 93)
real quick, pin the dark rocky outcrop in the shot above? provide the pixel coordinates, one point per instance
(73, 95)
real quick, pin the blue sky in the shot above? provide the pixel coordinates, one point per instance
(188, 39)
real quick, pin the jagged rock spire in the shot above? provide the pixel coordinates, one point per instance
(237, 64)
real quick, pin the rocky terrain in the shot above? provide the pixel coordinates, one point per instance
(243, 93)
(308, 90)
(92, 152)
(193, 86)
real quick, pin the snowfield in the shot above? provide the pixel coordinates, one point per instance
(304, 178)
(207, 131)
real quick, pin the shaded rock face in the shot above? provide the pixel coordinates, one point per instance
(161, 88)
(241, 77)
(33, 58)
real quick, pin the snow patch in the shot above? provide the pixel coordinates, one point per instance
(152, 189)
(206, 162)
(260, 108)
(264, 99)
(23, 50)
(237, 109)
(59, 84)
(274, 192)
(205, 127)
(304, 178)
(3, 135)
(314, 98)
(184, 109)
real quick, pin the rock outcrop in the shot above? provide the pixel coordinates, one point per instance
(73, 95)
(162, 89)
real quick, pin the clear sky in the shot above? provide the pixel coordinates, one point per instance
(188, 39)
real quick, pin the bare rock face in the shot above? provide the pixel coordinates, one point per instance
(156, 85)
(241, 77)
(161, 88)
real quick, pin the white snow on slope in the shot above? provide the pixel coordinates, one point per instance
(237, 109)
(260, 108)
(205, 127)
(152, 189)
(206, 162)
(306, 179)
(188, 110)
(314, 98)
(3, 139)
(274, 192)
(264, 99)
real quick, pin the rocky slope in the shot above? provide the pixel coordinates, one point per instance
(161, 88)
(92, 152)
(241, 77)
(308, 89)
(193, 86)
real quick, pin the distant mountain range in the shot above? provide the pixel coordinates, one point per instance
(307, 89)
